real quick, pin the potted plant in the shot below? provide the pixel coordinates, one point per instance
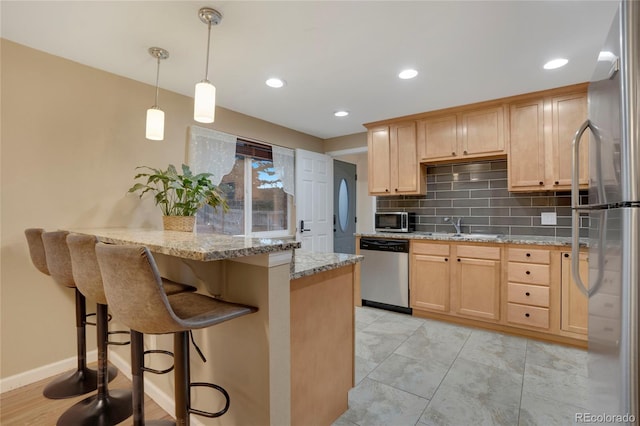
(179, 195)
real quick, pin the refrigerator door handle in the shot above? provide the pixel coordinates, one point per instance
(575, 252)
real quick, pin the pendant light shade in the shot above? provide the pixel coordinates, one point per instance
(204, 110)
(155, 116)
(204, 107)
(155, 124)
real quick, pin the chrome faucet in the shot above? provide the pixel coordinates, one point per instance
(456, 222)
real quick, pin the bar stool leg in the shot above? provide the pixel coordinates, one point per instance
(182, 377)
(105, 408)
(81, 380)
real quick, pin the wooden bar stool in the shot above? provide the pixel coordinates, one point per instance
(134, 289)
(50, 255)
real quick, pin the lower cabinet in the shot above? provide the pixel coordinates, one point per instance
(476, 287)
(430, 277)
(575, 304)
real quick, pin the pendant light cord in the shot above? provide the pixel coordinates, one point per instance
(155, 104)
(206, 69)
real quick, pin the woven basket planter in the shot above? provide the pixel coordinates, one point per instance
(179, 223)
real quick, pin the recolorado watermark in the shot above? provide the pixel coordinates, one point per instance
(604, 418)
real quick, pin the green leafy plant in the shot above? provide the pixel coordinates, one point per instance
(179, 194)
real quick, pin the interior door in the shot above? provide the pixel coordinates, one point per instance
(314, 201)
(344, 207)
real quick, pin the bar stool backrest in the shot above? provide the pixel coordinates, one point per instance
(133, 287)
(58, 257)
(36, 249)
(85, 268)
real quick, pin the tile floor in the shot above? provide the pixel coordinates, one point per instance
(412, 371)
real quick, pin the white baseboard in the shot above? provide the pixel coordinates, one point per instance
(40, 373)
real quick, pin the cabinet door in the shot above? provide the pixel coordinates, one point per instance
(478, 288)
(526, 146)
(575, 305)
(438, 138)
(569, 112)
(430, 282)
(405, 170)
(379, 154)
(483, 132)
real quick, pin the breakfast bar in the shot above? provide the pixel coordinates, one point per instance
(292, 362)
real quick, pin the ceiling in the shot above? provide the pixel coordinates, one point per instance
(332, 54)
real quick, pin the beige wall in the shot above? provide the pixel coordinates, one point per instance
(356, 140)
(71, 138)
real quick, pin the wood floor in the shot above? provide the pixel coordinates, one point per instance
(27, 406)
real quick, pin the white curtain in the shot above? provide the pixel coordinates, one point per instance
(212, 152)
(283, 163)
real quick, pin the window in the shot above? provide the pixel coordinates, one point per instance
(257, 203)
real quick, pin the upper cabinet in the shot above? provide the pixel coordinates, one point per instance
(541, 142)
(463, 136)
(394, 168)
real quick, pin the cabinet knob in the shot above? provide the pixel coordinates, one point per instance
(458, 259)
(528, 254)
(386, 190)
(446, 259)
(541, 183)
(464, 152)
(566, 255)
(527, 294)
(396, 189)
(453, 153)
(527, 315)
(528, 272)
(556, 183)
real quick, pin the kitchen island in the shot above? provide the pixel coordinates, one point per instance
(292, 362)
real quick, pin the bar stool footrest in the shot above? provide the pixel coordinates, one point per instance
(158, 351)
(207, 413)
(128, 342)
(87, 316)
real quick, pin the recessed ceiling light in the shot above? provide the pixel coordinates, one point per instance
(555, 63)
(341, 113)
(407, 74)
(275, 82)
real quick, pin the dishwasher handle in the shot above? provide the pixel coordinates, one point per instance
(374, 244)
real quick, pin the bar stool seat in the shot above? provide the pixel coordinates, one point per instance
(134, 289)
(53, 259)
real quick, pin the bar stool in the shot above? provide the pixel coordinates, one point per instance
(107, 407)
(53, 259)
(134, 289)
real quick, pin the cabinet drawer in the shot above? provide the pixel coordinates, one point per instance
(528, 315)
(529, 255)
(528, 294)
(433, 249)
(478, 252)
(528, 273)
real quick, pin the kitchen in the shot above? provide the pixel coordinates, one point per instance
(81, 114)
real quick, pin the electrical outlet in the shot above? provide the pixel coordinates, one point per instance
(548, 218)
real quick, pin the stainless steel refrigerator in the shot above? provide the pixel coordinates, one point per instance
(614, 222)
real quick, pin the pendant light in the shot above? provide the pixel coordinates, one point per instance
(205, 98)
(155, 116)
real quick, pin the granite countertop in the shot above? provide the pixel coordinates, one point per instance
(310, 263)
(505, 239)
(191, 245)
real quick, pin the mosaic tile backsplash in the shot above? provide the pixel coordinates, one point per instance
(477, 192)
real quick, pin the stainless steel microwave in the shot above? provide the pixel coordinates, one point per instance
(394, 222)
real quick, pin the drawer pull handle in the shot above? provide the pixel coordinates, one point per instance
(527, 294)
(528, 272)
(528, 254)
(446, 259)
(526, 315)
(566, 255)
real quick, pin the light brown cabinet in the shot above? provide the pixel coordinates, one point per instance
(528, 287)
(456, 279)
(541, 142)
(476, 289)
(462, 136)
(574, 303)
(394, 168)
(430, 276)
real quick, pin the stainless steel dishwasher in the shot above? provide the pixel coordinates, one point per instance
(384, 279)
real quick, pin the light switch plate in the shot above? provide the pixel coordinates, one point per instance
(548, 218)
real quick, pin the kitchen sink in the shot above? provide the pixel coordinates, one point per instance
(467, 236)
